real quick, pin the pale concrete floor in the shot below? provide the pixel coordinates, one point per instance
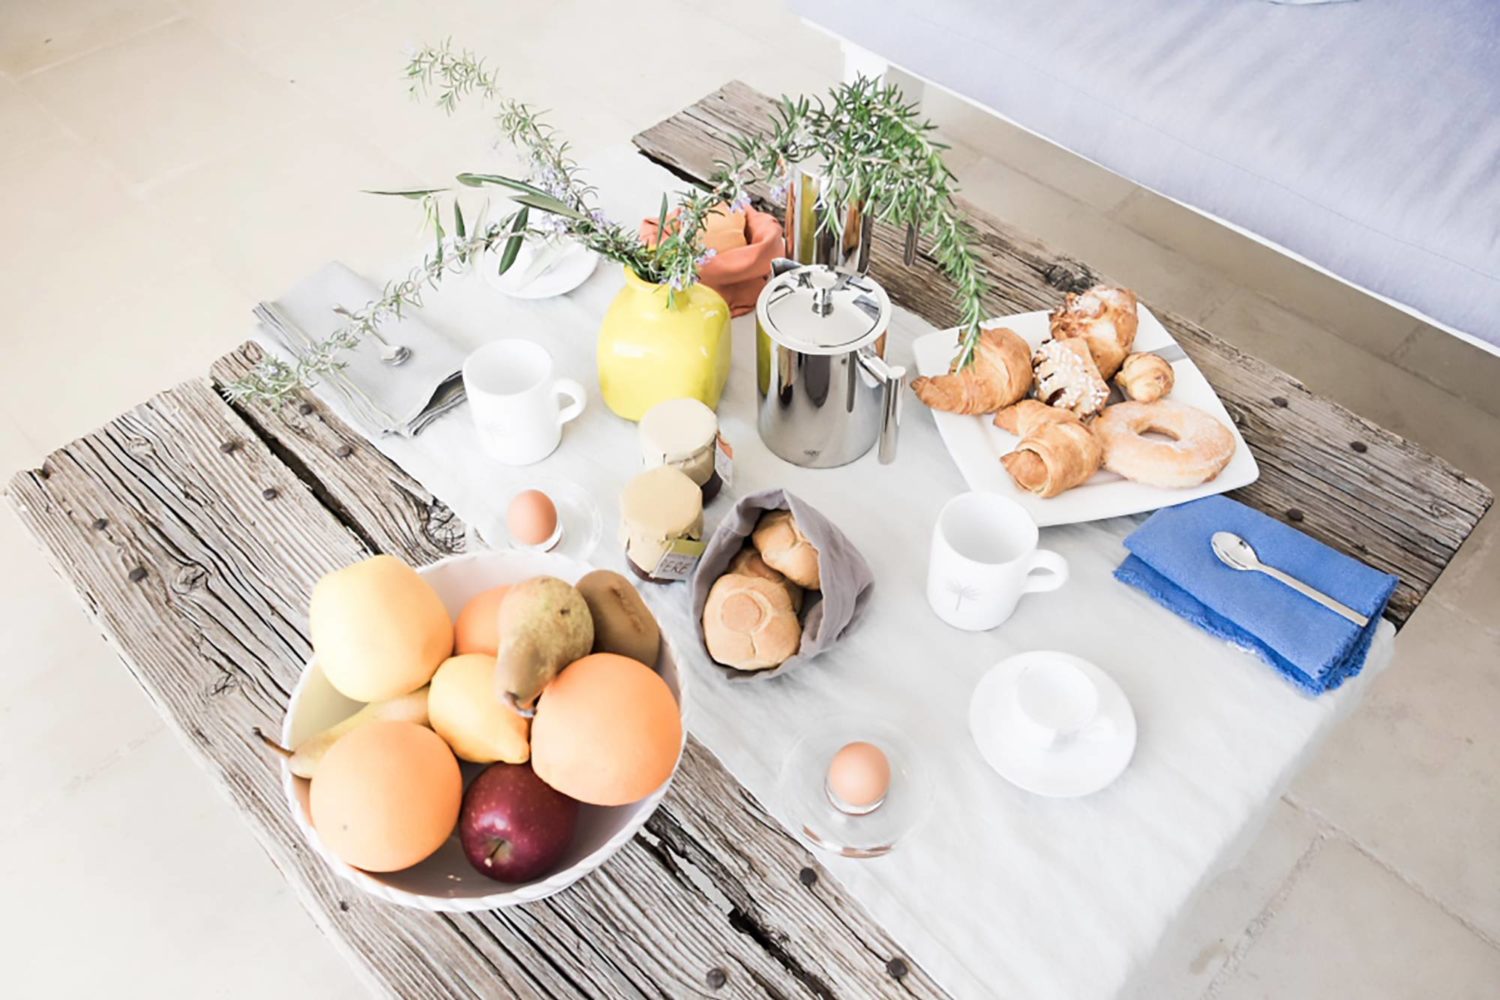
(164, 164)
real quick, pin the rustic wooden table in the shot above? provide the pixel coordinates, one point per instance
(194, 530)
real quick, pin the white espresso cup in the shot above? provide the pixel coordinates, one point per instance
(984, 557)
(515, 400)
(1057, 702)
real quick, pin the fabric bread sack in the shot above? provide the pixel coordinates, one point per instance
(826, 614)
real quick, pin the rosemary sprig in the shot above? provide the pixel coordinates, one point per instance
(872, 148)
(274, 380)
(554, 184)
(874, 151)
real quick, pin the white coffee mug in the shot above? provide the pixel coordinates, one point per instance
(1056, 703)
(984, 555)
(514, 399)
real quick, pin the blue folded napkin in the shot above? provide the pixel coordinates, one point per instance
(1317, 649)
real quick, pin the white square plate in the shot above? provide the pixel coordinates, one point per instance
(976, 444)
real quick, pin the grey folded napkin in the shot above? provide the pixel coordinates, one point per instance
(382, 399)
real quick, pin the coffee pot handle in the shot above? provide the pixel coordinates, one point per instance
(890, 377)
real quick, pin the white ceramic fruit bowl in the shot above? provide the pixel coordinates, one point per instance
(446, 881)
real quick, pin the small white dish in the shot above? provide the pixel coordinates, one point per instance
(807, 809)
(1069, 737)
(532, 278)
(976, 444)
(580, 526)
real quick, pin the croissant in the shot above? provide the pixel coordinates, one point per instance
(1026, 416)
(1054, 457)
(1105, 317)
(1145, 378)
(1000, 375)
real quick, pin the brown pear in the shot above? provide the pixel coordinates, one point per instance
(544, 626)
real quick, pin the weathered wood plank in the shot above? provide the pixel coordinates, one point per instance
(1335, 475)
(374, 498)
(195, 546)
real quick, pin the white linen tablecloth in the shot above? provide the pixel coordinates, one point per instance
(999, 893)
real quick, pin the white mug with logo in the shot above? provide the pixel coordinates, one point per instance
(984, 557)
(515, 400)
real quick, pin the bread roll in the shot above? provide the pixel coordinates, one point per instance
(748, 562)
(786, 549)
(748, 623)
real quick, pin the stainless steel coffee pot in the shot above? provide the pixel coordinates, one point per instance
(826, 393)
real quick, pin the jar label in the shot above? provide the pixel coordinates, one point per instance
(724, 460)
(679, 560)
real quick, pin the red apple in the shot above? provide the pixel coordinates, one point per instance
(514, 826)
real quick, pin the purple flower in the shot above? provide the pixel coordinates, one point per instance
(740, 203)
(705, 257)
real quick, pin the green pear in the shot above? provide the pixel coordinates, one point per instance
(544, 626)
(305, 758)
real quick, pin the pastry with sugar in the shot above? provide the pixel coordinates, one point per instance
(1105, 318)
(1186, 447)
(1067, 377)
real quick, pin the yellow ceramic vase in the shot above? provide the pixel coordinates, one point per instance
(650, 352)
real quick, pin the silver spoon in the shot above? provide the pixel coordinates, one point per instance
(391, 354)
(1236, 553)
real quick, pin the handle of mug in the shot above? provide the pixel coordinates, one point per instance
(1055, 575)
(574, 392)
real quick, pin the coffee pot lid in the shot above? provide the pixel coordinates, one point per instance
(817, 310)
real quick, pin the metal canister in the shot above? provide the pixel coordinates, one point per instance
(813, 239)
(826, 394)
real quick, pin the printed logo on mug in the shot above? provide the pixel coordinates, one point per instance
(984, 557)
(514, 399)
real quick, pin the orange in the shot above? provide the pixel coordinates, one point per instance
(478, 627)
(607, 731)
(386, 795)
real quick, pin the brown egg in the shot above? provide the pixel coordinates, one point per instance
(531, 518)
(386, 795)
(859, 776)
(478, 627)
(607, 731)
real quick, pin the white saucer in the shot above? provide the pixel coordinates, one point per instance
(571, 269)
(1079, 767)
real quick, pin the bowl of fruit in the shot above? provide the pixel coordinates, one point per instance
(480, 732)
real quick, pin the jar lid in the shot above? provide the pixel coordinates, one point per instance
(661, 503)
(678, 429)
(817, 310)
